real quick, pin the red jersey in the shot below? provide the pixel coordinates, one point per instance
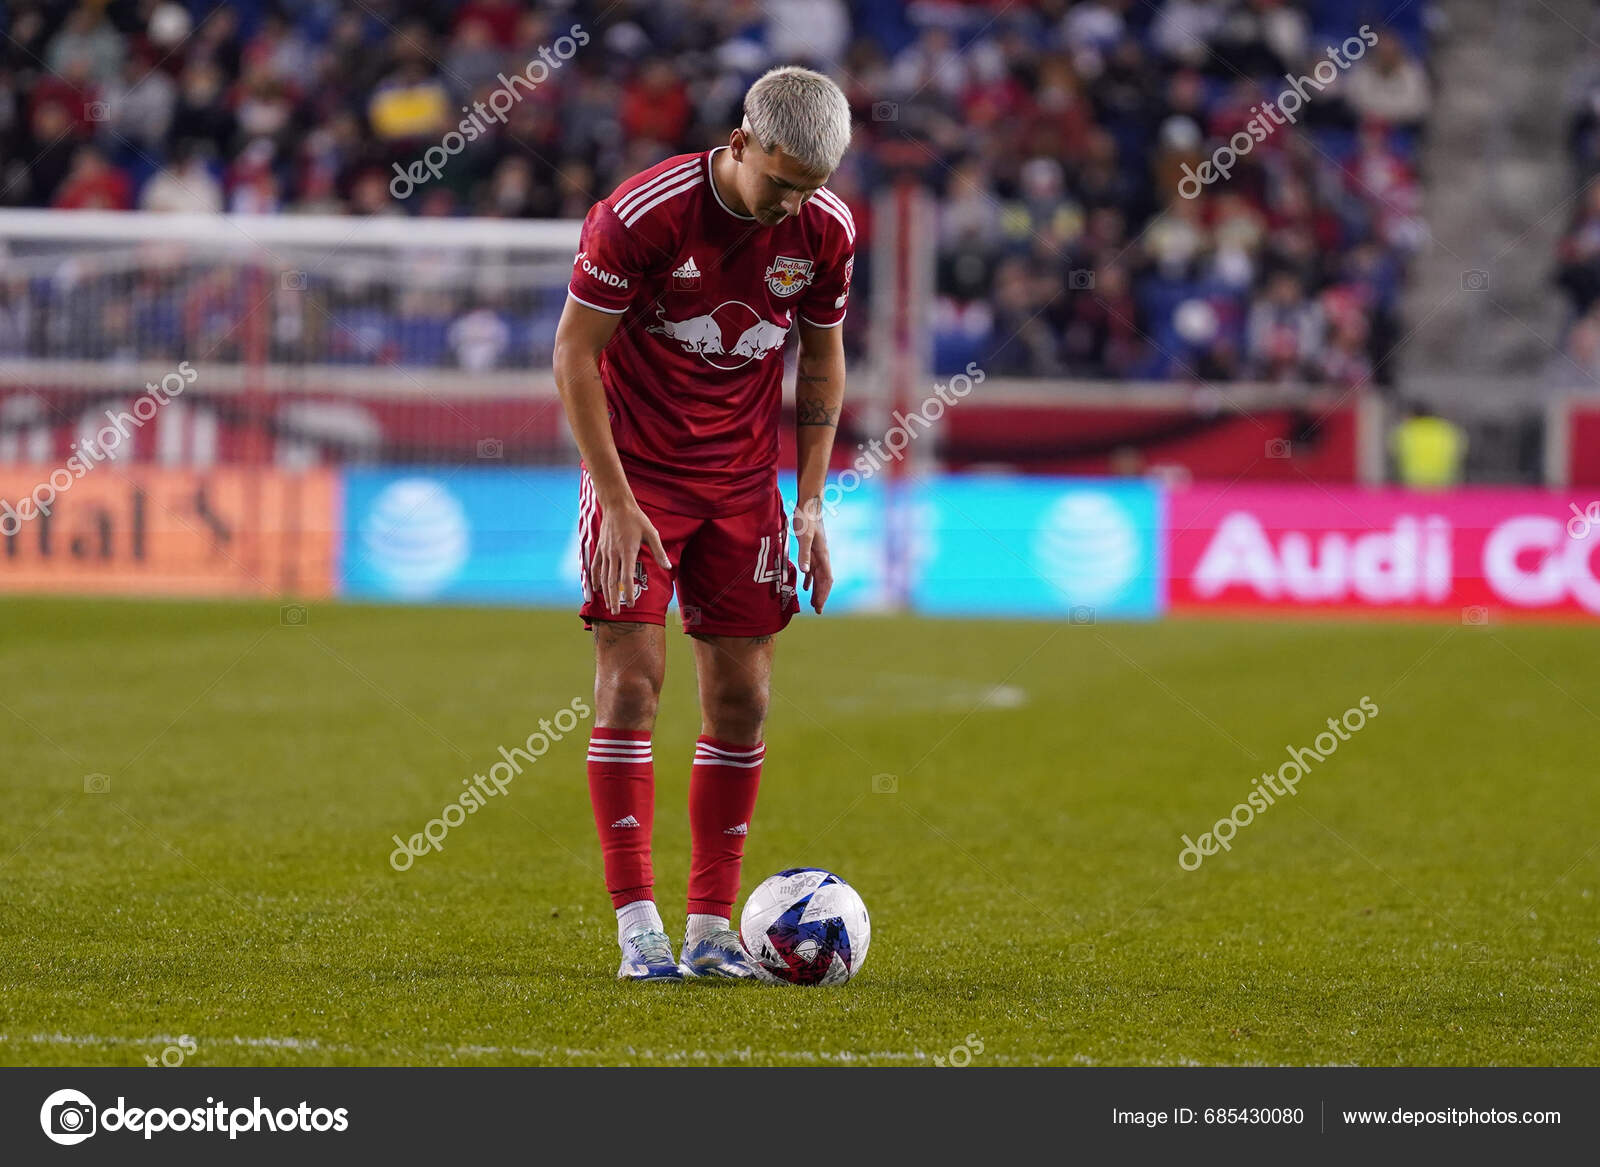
(694, 374)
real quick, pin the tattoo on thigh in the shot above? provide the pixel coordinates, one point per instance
(611, 632)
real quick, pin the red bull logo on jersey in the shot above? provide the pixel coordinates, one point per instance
(787, 277)
(730, 336)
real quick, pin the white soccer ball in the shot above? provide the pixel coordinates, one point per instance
(806, 926)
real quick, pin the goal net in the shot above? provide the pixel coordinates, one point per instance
(308, 341)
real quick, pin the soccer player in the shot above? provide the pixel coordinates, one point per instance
(688, 281)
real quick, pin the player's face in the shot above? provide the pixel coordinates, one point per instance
(774, 186)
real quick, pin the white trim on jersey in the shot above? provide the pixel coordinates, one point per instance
(829, 197)
(643, 191)
(596, 307)
(814, 324)
(834, 205)
(711, 179)
(671, 192)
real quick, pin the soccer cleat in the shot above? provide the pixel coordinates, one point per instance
(720, 954)
(647, 956)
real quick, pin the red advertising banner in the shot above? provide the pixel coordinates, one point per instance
(1465, 554)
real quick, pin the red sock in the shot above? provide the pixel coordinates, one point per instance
(722, 797)
(622, 790)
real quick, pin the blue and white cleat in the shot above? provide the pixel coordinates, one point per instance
(719, 955)
(647, 956)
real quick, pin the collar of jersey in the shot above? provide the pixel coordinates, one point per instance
(711, 181)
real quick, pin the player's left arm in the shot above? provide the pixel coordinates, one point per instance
(818, 399)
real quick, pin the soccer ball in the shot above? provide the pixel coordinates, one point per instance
(806, 926)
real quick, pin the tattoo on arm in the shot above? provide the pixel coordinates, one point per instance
(813, 412)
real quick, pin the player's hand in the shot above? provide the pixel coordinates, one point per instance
(624, 529)
(816, 569)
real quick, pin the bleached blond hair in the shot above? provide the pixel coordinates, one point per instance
(801, 111)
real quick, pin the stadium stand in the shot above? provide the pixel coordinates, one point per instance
(1055, 135)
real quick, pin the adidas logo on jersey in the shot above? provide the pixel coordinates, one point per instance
(741, 829)
(687, 277)
(630, 821)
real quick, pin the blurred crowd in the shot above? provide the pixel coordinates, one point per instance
(1055, 135)
(1578, 252)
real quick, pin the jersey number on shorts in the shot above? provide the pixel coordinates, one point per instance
(766, 570)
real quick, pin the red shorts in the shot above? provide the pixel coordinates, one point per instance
(733, 574)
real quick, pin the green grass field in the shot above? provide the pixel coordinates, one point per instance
(1430, 896)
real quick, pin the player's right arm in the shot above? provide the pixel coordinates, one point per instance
(580, 337)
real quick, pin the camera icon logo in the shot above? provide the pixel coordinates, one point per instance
(293, 281)
(1081, 279)
(68, 1117)
(1474, 281)
(1279, 448)
(97, 783)
(885, 784)
(292, 615)
(492, 449)
(96, 111)
(885, 111)
(1475, 614)
(1080, 614)
(690, 615)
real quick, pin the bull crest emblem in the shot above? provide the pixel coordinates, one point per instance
(787, 277)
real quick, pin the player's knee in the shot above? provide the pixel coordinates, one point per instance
(628, 698)
(736, 714)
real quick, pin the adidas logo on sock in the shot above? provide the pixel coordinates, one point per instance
(630, 821)
(741, 829)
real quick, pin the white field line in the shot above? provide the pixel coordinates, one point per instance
(311, 1044)
(166, 1039)
(914, 695)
